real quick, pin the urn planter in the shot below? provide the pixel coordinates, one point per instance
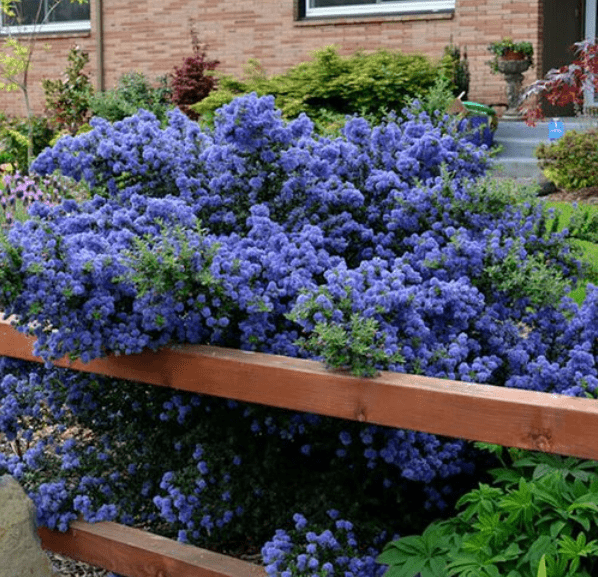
(513, 71)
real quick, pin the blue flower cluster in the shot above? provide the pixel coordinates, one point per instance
(248, 235)
(309, 551)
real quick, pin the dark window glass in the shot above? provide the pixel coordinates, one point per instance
(28, 12)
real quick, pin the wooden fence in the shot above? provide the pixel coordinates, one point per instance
(510, 417)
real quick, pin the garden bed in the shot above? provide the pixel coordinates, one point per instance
(587, 195)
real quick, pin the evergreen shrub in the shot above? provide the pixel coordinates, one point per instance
(570, 162)
(365, 84)
(251, 235)
(132, 92)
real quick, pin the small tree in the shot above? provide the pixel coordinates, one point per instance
(15, 59)
(68, 100)
(190, 83)
(566, 85)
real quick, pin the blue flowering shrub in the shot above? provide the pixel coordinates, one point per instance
(259, 234)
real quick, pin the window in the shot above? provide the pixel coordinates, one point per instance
(46, 16)
(324, 8)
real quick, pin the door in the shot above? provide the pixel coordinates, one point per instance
(563, 26)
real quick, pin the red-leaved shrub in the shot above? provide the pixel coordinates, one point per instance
(190, 83)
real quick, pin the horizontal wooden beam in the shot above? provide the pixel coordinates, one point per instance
(136, 553)
(509, 417)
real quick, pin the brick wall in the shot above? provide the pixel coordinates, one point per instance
(153, 37)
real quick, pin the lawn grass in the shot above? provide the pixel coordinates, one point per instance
(572, 217)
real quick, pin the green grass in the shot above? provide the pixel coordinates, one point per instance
(582, 222)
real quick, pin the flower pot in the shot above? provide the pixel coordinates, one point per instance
(513, 55)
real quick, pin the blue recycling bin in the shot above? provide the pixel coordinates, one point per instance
(556, 129)
(480, 123)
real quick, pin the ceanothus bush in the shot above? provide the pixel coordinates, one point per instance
(253, 235)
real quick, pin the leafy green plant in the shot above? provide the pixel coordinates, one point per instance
(570, 162)
(437, 100)
(538, 518)
(21, 137)
(367, 84)
(581, 223)
(133, 91)
(67, 101)
(353, 342)
(532, 278)
(455, 67)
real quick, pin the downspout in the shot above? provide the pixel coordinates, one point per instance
(99, 29)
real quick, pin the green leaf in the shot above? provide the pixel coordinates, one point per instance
(542, 545)
(557, 527)
(542, 567)
(511, 552)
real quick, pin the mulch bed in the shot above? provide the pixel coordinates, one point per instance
(584, 195)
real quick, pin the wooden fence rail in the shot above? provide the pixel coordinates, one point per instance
(509, 417)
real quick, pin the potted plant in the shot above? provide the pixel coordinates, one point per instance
(508, 49)
(511, 59)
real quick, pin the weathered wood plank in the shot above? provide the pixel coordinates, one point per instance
(516, 418)
(136, 553)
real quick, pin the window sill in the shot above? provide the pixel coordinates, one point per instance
(45, 31)
(373, 19)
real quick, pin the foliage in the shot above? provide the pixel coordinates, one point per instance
(580, 220)
(67, 101)
(351, 342)
(540, 512)
(507, 46)
(436, 101)
(192, 82)
(570, 162)
(565, 85)
(455, 67)
(364, 84)
(13, 63)
(133, 92)
(581, 225)
(17, 134)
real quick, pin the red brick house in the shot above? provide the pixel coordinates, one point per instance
(154, 36)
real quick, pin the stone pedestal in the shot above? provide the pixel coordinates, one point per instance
(513, 72)
(21, 554)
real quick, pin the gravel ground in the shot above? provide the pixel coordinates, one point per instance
(65, 567)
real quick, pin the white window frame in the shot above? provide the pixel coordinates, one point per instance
(381, 7)
(590, 100)
(45, 27)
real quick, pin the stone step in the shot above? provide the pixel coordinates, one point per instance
(519, 142)
(516, 167)
(518, 147)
